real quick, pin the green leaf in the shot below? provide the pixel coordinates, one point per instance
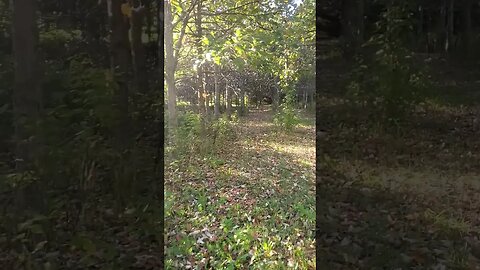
(217, 60)
(239, 50)
(238, 33)
(239, 62)
(205, 41)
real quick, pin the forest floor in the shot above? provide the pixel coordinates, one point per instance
(250, 204)
(406, 199)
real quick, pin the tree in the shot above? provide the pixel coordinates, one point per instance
(138, 51)
(352, 19)
(26, 97)
(467, 26)
(449, 28)
(202, 108)
(121, 67)
(170, 66)
(217, 92)
(172, 50)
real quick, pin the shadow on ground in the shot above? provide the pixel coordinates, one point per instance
(366, 228)
(362, 226)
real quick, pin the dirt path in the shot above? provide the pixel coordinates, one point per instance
(251, 205)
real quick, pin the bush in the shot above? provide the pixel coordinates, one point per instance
(78, 122)
(389, 84)
(286, 118)
(197, 134)
(223, 129)
(189, 125)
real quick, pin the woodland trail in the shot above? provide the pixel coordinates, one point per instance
(251, 205)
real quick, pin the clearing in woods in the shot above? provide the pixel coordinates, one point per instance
(251, 204)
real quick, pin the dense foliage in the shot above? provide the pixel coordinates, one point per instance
(84, 172)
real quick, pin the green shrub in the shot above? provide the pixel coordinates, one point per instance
(286, 118)
(189, 125)
(78, 122)
(223, 129)
(197, 134)
(389, 83)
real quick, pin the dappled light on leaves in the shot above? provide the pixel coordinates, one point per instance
(236, 213)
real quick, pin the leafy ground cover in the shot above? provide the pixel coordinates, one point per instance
(248, 205)
(406, 198)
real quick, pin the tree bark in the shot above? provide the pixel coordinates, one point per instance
(360, 37)
(159, 164)
(242, 102)
(305, 96)
(148, 19)
(228, 97)
(200, 74)
(276, 97)
(441, 28)
(205, 89)
(450, 24)
(138, 50)
(352, 26)
(121, 63)
(217, 93)
(420, 33)
(467, 27)
(27, 94)
(121, 66)
(170, 66)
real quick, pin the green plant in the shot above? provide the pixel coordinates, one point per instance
(389, 83)
(197, 134)
(189, 125)
(223, 129)
(286, 118)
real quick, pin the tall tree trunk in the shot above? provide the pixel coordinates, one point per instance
(170, 66)
(121, 65)
(205, 89)
(420, 24)
(217, 93)
(228, 97)
(467, 27)
(441, 28)
(139, 63)
(305, 98)
(148, 19)
(449, 27)
(159, 162)
(27, 94)
(312, 97)
(200, 73)
(237, 103)
(242, 110)
(360, 33)
(276, 97)
(138, 50)
(352, 26)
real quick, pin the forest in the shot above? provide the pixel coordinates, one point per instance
(240, 135)
(397, 134)
(142, 134)
(81, 141)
